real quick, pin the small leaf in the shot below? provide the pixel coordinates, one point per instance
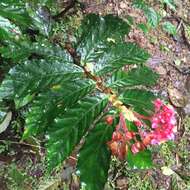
(141, 160)
(94, 157)
(6, 122)
(143, 27)
(169, 28)
(170, 4)
(152, 16)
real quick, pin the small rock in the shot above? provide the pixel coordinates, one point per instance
(187, 109)
(161, 70)
(177, 98)
(187, 84)
(122, 183)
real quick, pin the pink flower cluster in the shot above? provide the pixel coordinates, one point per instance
(163, 124)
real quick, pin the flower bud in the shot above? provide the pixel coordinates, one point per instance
(109, 120)
(134, 149)
(116, 136)
(129, 135)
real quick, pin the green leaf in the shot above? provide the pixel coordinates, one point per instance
(15, 12)
(8, 29)
(94, 158)
(36, 76)
(68, 130)
(119, 55)
(141, 160)
(96, 34)
(141, 75)
(143, 27)
(152, 16)
(50, 104)
(169, 28)
(41, 18)
(170, 4)
(140, 100)
(6, 122)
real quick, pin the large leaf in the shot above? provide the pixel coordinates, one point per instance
(68, 130)
(7, 29)
(15, 11)
(141, 160)
(50, 104)
(41, 18)
(33, 77)
(94, 158)
(138, 76)
(21, 49)
(119, 55)
(140, 100)
(96, 34)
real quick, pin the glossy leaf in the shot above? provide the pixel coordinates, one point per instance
(138, 76)
(94, 158)
(33, 77)
(68, 130)
(41, 18)
(8, 29)
(96, 35)
(52, 103)
(119, 55)
(140, 100)
(15, 11)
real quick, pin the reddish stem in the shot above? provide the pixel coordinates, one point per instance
(139, 116)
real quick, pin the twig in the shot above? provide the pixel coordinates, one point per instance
(63, 12)
(23, 143)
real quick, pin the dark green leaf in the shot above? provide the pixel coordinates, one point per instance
(36, 76)
(119, 55)
(140, 100)
(41, 18)
(50, 104)
(68, 130)
(94, 158)
(139, 76)
(8, 29)
(15, 12)
(96, 34)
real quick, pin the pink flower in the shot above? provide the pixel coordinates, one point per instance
(157, 104)
(163, 123)
(134, 149)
